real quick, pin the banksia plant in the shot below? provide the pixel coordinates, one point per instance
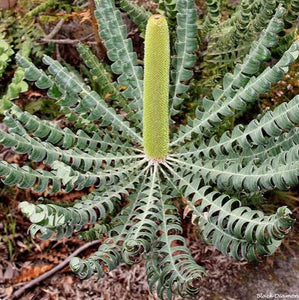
(139, 161)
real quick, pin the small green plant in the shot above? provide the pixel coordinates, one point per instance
(9, 230)
(138, 164)
(21, 32)
(5, 54)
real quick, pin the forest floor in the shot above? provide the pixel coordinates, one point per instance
(24, 259)
(226, 279)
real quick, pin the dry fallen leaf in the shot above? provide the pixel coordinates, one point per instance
(32, 94)
(185, 200)
(186, 211)
(7, 4)
(193, 220)
(32, 273)
(9, 291)
(85, 15)
(8, 274)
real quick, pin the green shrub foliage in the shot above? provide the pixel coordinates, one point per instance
(21, 29)
(132, 200)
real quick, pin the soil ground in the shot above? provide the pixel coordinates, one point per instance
(275, 277)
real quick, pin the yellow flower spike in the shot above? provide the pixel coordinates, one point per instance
(156, 88)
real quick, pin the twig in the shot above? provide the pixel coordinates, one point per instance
(17, 294)
(55, 30)
(77, 2)
(66, 41)
(58, 56)
(61, 41)
(84, 5)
